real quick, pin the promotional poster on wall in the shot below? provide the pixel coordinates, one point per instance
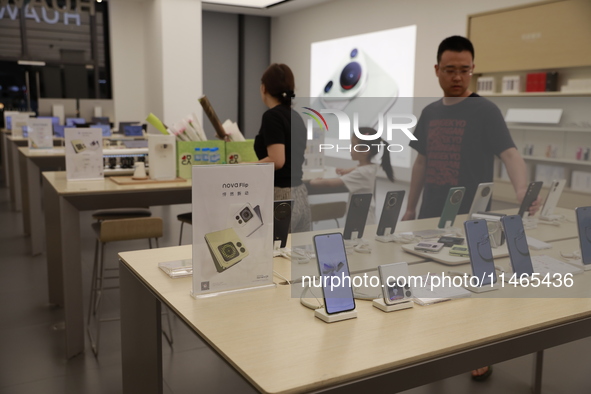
(378, 66)
(233, 238)
(84, 154)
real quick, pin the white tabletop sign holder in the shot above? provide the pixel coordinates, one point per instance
(84, 154)
(233, 243)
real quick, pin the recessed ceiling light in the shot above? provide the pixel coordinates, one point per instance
(31, 63)
(246, 3)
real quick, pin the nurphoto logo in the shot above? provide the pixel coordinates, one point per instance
(344, 129)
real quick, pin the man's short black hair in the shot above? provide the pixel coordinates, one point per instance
(456, 44)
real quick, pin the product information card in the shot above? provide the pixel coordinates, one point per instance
(40, 133)
(18, 122)
(84, 154)
(233, 240)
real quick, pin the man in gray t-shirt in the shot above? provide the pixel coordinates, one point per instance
(458, 137)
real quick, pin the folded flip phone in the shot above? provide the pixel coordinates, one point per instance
(226, 248)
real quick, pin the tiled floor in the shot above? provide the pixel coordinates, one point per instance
(31, 353)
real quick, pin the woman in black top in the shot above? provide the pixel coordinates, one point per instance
(282, 141)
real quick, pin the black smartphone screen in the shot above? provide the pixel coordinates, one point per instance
(334, 273)
(517, 245)
(281, 221)
(481, 258)
(584, 227)
(390, 212)
(530, 196)
(357, 214)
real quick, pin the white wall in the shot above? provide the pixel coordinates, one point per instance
(153, 60)
(181, 57)
(156, 58)
(126, 20)
(293, 34)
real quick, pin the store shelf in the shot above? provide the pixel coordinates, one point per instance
(557, 160)
(570, 199)
(513, 126)
(536, 94)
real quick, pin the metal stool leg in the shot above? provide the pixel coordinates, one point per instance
(181, 236)
(93, 285)
(94, 342)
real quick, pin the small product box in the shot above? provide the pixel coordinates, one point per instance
(511, 84)
(162, 153)
(486, 85)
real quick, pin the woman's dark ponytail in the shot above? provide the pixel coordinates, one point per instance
(386, 165)
(375, 148)
(279, 83)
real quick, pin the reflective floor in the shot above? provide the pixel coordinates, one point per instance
(31, 341)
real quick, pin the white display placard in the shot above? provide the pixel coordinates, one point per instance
(58, 111)
(8, 114)
(233, 236)
(84, 154)
(162, 156)
(40, 133)
(18, 122)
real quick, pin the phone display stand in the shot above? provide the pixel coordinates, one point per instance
(333, 318)
(388, 237)
(276, 245)
(579, 264)
(358, 245)
(553, 220)
(483, 289)
(447, 225)
(381, 305)
(385, 238)
(529, 222)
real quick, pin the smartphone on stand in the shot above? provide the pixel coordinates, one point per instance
(357, 215)
(584, 226)
(334, 268)
(281, 221)
(552, 198)
(481, 198)
(481, 258)
(533, 189)
(451, 207)
(517, 245)
(390, 212)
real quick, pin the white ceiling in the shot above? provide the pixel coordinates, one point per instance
(281, 8)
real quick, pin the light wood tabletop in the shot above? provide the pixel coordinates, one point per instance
(279, 347)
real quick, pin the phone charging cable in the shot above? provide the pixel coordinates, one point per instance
(307, 303)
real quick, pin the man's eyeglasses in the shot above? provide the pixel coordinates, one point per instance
(462, 71)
